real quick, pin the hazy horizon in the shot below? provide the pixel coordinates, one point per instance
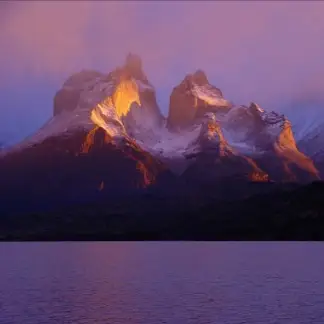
(267, 52)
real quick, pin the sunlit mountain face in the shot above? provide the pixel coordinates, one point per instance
(107, 138)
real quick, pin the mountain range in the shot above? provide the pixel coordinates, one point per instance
(108, 140)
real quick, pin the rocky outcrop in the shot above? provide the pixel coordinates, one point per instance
(88, 88)
(271, 137)
(77, 168)
(108, 137)
(192, 99)
(312, 144)
(216, 160)
(67, 98)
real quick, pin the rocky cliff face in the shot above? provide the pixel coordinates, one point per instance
(86, 149)
(265, 138)
(107, 137)
(216, 160)
(191, 99)
(68, 97)
(81, 167)
(88, 88)
(269, 138)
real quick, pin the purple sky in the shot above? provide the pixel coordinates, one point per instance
(271, 52)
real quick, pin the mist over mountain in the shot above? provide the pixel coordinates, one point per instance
(107, 138)
(258, 57)
(109, 154)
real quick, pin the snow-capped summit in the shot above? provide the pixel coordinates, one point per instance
(200, 78)
(192, 99)
(110, 126)
(121, 102)
(256, 107)
(87, 149)
(215, 159)
(258, 133)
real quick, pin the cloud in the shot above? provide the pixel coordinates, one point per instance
(264, 51)
(45, 37)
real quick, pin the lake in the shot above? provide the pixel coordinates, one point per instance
(161, 282)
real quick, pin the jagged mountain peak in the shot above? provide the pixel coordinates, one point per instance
(122, 103)
(210, 139)
(133, 62)
(254, 106)
(132, 68)
(273, 118)
(90, 81)
(199, 77)
(79, 79)
(192, 99)
(215, 159)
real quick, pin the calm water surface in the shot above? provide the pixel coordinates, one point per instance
(150, 283)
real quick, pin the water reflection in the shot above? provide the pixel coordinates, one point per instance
(161, 283)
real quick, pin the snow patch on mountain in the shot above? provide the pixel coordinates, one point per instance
(123, 103)
(210, 139)
(209, 95)
(104, 115)
(308, 127)
(79, 117)
(170, 144)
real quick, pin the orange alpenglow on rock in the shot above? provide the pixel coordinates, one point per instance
(192, 98)
(149, 177)
(285, 146)
(120, 102)
(102, 186)
(124, 96)
(259, 177)
(89, 141)
(116, 107)
(204, 133)
(145, 163)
